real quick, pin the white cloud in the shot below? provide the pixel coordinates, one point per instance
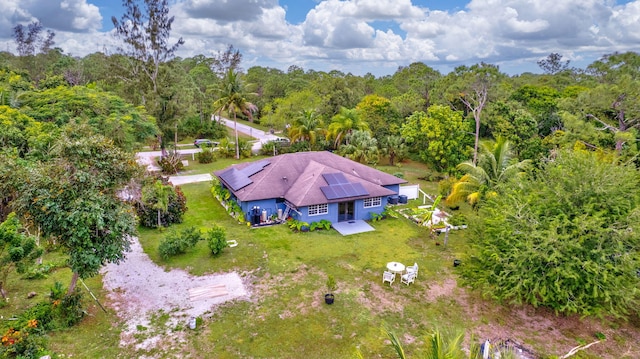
(227, 10)
(345, 33)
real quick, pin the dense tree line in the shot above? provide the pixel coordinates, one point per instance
(444, 120)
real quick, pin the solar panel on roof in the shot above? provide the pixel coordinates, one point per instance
(254, 168)
(235, 179)
(358, 190)
(329, 192)
(344, 190)
(334, 178)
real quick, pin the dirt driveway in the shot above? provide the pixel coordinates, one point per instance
(140, 290)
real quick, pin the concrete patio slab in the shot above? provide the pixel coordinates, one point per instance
(352, 227)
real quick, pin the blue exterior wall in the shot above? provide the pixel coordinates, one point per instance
(394, 187)
(271, 205)
(365, 213)
(332, 216)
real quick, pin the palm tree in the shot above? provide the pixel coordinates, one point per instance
(361, 147)
(394, 147)
(439, 346)
(343, 123)
(306, 127)
(232, 99)
(161, 193)
(496, 165)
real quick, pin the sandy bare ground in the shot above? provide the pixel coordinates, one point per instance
(140, 290)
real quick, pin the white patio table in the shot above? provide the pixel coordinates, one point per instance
(395, 267)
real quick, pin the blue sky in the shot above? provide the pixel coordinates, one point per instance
(359, 36)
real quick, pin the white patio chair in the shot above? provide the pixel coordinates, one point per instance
(408, 278)
(388, 277)
(413, 269)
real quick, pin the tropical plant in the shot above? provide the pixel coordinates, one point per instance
(297, 224)
(426, 217)
(232, 99)
(74, 198)
(206, 156)
(17, 250)
(395, 148)
(176, 243)
(158, 195)
(154, 215)
(496, 165)
(171, 162)
(566, 239)
(361, 147)
(438, 345)
(439, 136)
(216, 239)
(322, 224)
(307, 127)
(343, 123)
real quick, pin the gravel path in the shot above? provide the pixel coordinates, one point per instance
(139, 289)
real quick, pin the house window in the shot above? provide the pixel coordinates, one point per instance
(318, 209)
(372, 202)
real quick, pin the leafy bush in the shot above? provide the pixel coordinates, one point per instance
(457, 219)
(148, 216)
(323, 224)
(179, 242)
(297, 225)
(206, 156)
(196, 127)
(216, 239)
(40, 271)
(446, 186)
(567, 239)
(268, 149)
(226, 148)
(171, 163)
(25, 338)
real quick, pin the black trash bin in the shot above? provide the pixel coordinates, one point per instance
(402, 199)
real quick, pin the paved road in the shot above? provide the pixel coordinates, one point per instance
(148, 158)
(246, 129)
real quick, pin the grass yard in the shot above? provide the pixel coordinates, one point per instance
(285, 315)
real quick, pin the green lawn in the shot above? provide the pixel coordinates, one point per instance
(285, 315)
(287, 272)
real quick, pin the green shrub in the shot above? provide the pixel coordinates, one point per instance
(40, 271)
(446, 186)
(297, 225)
(69, 312)
(457, 219)
(26, 336)
(171, 163)
(22, 343)
(206, 156)
(216, 239)
(179, 242)
(323, 224)
(148, 216)
(226, 148)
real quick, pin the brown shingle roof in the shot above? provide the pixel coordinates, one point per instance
(297, 177)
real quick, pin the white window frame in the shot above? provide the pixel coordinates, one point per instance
(318, 209)
(372, 202)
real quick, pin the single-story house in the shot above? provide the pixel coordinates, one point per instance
(309, 186)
